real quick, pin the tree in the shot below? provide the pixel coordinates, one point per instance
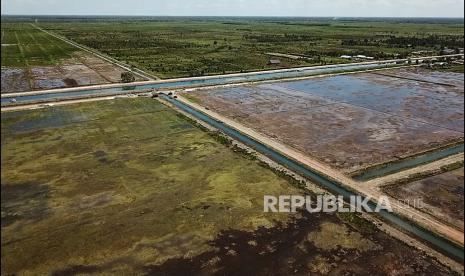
(127, 77)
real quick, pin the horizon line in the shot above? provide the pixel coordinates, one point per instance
(274, 16)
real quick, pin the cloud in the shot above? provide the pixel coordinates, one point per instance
(395, 8)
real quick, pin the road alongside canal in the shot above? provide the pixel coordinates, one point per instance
(421, 225)
(116, 89)
(408, 163)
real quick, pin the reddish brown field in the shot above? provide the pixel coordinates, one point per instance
(440, 195)
(349, 121)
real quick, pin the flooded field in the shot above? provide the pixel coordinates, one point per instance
(441, 195)
(130, 187)
(348, 121)
(429, 76)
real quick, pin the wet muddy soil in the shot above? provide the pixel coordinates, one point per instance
(309, 245)
(441, 195)
(14, 79)
(81, 69)
(350, 121)
(454, 79)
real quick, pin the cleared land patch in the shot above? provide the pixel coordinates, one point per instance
(431, 76)
(349, 121)
(129, 186)
(34, 60)
(441, 195)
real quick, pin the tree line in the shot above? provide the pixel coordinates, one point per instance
(409, 41)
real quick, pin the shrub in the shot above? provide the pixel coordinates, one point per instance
(127, 77)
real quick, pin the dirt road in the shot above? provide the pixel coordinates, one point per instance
(425, 220)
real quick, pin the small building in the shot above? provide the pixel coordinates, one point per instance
(448, 51)
(440, 64)
(274, 62)
(423, 52)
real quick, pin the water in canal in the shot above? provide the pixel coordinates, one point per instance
(5, 101)
(409, 163)
(333, 186)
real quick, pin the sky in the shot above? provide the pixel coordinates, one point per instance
(332, 8)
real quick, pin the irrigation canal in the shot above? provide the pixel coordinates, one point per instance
(438, 242)
(409, 163)
(7, 100)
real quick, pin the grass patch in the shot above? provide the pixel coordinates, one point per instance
(23, 46)
(131, 172)
(454, 69)
(183, 47)
(358, 222)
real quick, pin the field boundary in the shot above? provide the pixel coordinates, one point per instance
(420, 218)
(136, 71)
(413, 79)
(392, 230)
(389, 64)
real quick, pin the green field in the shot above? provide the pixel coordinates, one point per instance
(85, 183)
(24, 46)
(454, 69)
(130, 187)
(175, 47)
